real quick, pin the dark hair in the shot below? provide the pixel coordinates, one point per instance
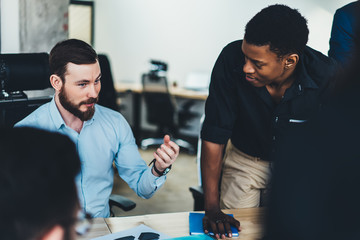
(37, 184)
(71, 50)
(279, 26)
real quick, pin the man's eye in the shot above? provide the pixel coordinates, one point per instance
(97, 81)
(82, 84)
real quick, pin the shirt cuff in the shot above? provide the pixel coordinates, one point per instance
(154, 181)
(215, 134)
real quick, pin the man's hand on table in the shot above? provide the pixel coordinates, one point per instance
(219, 223)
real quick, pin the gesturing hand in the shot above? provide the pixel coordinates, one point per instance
(166, 154)
(219, 223)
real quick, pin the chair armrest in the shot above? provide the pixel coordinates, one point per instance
(121, 202)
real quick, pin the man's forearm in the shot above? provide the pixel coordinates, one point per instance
(211, 159)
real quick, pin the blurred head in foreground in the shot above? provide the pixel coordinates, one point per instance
(38, 197)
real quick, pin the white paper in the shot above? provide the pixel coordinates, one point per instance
(132, 232)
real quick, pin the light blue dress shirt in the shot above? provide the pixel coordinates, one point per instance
(105, 138)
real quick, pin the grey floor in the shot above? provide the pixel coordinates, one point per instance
(174, 196)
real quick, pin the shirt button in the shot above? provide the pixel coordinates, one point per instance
(276, 119)
(273, 138)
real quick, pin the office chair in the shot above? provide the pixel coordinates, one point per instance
(28, 72)
(107, 95)
(162, 110)
(122, 202)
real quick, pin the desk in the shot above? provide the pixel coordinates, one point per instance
(13, 110)
(177, 224)
(99, 228)
(175, 91)
(136, 89)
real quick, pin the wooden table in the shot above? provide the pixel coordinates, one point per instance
(177, 224)
(99, 228)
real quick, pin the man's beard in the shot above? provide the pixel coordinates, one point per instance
(75, 109)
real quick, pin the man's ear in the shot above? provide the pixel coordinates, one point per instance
(56, 233)
(291, 61)
(56, 82)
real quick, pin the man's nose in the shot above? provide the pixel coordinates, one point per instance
(248, 68)
(93, 91)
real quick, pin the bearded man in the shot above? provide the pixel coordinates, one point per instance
(102, 136)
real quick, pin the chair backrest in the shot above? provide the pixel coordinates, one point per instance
(159, 103)
(107, 95)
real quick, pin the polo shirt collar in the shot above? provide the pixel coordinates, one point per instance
(302, 76)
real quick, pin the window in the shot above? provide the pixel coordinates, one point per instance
(81, 20)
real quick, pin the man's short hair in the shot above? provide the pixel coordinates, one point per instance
(70, 51)
(282, 28)
(37, 183)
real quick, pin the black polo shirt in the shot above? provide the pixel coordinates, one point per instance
(248, 115)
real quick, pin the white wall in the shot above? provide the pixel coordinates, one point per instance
(188, 34)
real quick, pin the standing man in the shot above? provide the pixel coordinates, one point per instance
(260, 87)
(102, 136)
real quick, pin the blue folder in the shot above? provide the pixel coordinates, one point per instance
(196, 225)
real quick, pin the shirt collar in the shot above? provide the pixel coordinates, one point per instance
(303, 79)
(55, 114)
(89, 122)
(57, 118)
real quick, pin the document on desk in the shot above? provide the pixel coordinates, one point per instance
(141, 232)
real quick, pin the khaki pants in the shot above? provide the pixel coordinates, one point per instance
(243, 179)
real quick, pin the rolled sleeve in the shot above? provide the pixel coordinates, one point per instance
(215, 134)
(221, 108)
